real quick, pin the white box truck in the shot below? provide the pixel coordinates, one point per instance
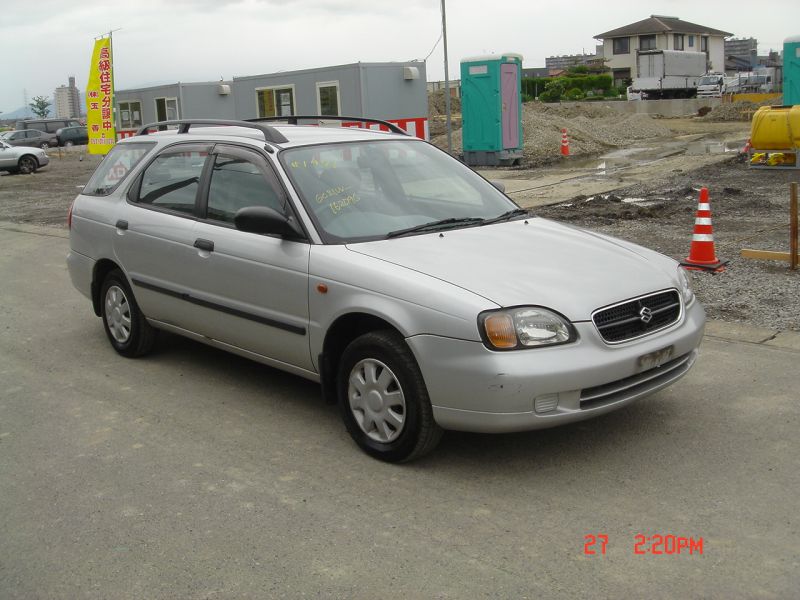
(668, 73)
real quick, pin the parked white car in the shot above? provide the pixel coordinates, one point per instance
(417, 293)
(21, 159)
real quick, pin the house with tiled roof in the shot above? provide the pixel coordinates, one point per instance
(658, 32)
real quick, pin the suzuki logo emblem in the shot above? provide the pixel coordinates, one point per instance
(646, 315)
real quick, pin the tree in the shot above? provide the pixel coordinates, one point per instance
(40, 106)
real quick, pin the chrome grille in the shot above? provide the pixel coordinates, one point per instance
(638, 317)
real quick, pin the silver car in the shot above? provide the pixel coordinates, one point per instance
(21, 159)
(417, 294)
(31, 137)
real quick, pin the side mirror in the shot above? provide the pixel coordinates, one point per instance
(499, 185)
(260, 219)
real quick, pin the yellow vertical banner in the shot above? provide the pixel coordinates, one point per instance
(100, 99)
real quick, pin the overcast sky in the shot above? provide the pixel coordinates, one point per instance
(159, 41)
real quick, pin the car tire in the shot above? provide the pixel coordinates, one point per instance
(44, 146)
(126, 327)
(27, 165)
(69, 143)
(383, 399)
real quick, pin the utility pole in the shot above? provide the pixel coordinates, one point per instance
(446, 83)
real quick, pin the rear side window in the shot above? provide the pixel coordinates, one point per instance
(172, 180)
(115, 167)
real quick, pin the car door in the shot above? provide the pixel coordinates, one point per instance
(155, 236)
(34, 137)
(256, 285)
(8, 157)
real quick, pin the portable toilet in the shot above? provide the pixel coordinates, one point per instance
(791, 70)
(491, 109)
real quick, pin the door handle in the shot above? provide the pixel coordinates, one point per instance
(122, 225)
(202, 244)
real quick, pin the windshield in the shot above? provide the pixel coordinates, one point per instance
(709, 80)
(368, 190)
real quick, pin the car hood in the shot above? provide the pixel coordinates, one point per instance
(532, 262)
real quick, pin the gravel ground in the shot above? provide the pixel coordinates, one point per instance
(43, 198)
(750, 209)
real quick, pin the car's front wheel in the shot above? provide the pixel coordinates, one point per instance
(27, 165)
(383, 398)
(126, 327)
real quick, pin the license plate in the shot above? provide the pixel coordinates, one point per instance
(655, 359)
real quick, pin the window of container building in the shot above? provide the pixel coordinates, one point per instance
(328, 98)
(691, 41)
(130, 115)
(678, 41)
(275, 102)
(704, 43)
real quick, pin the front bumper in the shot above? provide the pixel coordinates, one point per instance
(475, 389)
(43, 160)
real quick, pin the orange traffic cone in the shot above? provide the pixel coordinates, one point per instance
(564, 143)
(702, 256)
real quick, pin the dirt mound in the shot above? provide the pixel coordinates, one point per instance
(735, 111)
(590, 129)
(436, 104)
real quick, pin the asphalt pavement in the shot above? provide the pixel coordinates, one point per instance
(192, 473)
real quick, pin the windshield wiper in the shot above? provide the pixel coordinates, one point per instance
(433, 225)
(517, 212)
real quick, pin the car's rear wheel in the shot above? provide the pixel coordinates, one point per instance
(126, 327)
(27, 165)
(69, 143)
(383, 398)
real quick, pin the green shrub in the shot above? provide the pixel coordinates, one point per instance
(575, 94)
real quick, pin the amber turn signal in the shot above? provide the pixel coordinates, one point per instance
(500, 331)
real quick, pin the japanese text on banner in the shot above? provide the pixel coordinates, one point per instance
(100, 99)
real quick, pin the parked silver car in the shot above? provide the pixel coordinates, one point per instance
(31, 137)
(21, 159)
(412, 289)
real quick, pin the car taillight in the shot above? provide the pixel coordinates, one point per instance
(69, 215)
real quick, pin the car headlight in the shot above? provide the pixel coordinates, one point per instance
(524, 327)
(686, 286)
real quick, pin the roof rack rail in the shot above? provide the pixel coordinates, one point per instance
(270, 133)
(293, 119)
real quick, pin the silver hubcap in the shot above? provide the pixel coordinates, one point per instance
(376, 400)
(118, 314)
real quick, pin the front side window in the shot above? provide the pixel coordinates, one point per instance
(240, 179)
(365, 190)
(328, 98)
(622, 45)
(275, 102)
(130, 115)
(116, 165)
(171, 181)
(647, 42)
